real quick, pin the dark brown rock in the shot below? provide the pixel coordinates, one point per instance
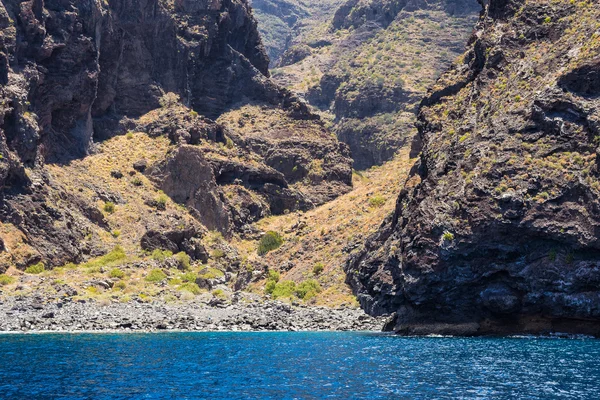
(187, 177)
(497, 229)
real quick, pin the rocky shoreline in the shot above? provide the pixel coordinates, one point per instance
(26, 314)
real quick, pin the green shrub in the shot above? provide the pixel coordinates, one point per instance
(219, 293)
(448, 236)
(377, 201)
(307, 289)
(284, 289)
(217, 253)
(156, 275)
(175, 281)
(190, 287)
(168, 100)
(6, 280)
(273, 275)
(270, 287)
(115, 256)
(161, 255)
(161, 201)
(189, 277)
(272, 279)
(35, 269)
(109, 207)
(569, 258)
(183, 259)
(137, 181)
(270, 241)
(116, 273)
(318, 268)
(212, 273)
(116, 233)
(121, 285)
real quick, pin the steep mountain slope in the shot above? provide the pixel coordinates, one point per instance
(316, 243)
(84, 83)
(282, 22)
(369, 64)
(496, 230)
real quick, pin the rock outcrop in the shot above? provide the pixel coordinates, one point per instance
(76, 73)
(497, 229)
(369, 64)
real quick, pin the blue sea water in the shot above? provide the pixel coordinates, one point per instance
(296, 365)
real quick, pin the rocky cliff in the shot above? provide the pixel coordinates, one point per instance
(75, 74)
(368, 65)
(497, 228)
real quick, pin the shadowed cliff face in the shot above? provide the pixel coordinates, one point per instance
(496, 230)
(77, 65)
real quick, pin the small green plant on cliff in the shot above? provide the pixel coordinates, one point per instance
(116, 273)
(318, 268)
(274, 276)
(109, 207)
(161, 255)
(284, 289)
(268, 242)
(183, 259)
(211, 273)
(168, 100)
(121, 285)
(35, 269)
(156, 275)
(117, 254)
(448, 236)
(217, 253)
(308, 289)
(190, 287)
(161, 201)
(377, 201)
(272, 279)
(189, 277)
(270, 287)
(569, 258)
(6, 280)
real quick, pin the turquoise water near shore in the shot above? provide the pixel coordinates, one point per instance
(295, 365)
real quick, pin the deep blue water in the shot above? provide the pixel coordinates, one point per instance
(295, 365)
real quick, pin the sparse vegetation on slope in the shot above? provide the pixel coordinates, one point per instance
(317, 242)
(369, 76)
(499, 217)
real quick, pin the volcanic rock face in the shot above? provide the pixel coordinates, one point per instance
(75, 64)
(73, 73)
(497, 229)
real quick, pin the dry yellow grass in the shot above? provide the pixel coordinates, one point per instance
(262, 122)
(131, 217)
(320, 235)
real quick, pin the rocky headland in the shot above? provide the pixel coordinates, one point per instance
(496, 229)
